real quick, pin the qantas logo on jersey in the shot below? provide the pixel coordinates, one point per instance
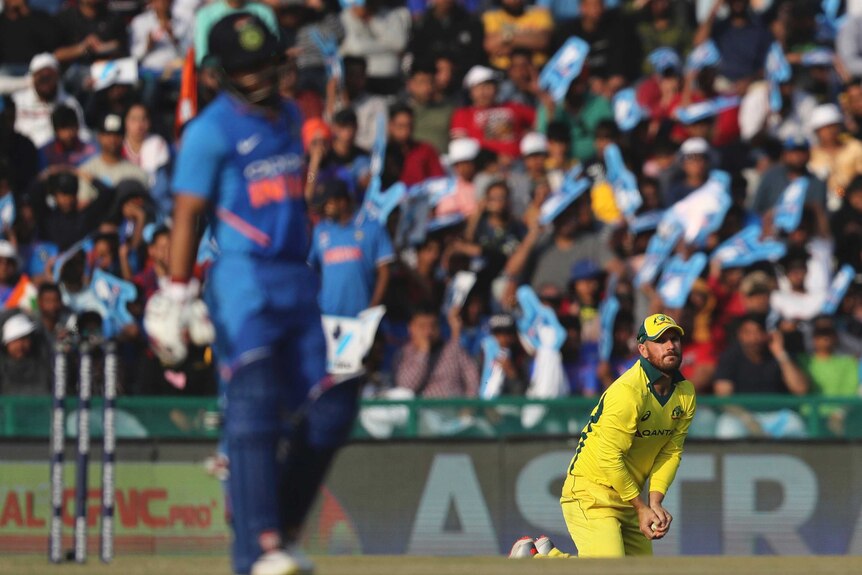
(653, 432)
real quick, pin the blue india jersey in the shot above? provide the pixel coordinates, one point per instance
(250, 169)
(347, 258)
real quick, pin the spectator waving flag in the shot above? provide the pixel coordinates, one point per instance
(458, 290)
(626, 193)
(777, 72)
(702, 211)
(745, 248)
(329, 49)
(7, 212)
(627, 112)
(348, 340)
(664, 58)
(705, 55)
(379, 204)
(818, 57)
(378, 148)
(541, 334)
(562, 69)
(608, 311)
(707, 109)
(838, 289)
(492, 371)
(678, 278)
(788, 212)
(113, 295)
(573, 188)
(660, 246)
(415, 213)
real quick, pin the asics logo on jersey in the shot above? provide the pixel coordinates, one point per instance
(646, 415)
(272, 166)
(247, 146)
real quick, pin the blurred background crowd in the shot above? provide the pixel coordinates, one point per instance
(95, 93)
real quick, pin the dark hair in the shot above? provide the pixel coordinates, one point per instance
(558, 131)
(528, 54)
(354, 62)
(607, 129)
(424, 308)
(64, 117)
(422, 67)
(345, 117)
(159, 231)
(398, 109)
(758, 318)
(47, 287)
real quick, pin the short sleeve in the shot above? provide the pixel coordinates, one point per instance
(314, 252)
(199, 161)
(383, 253)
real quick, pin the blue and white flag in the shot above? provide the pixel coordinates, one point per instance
(838, 289)
(7, 212)
(329, 49)
(664, 58)
(413, 223)
(661, 245)
(777, 67)
(84, 243)
(788, 211)
(705, 110)
(566, 65)
(608, 311)
(443, 222)
(113, 295)
(626, 194)
(107, 73)
(378, 205)
(678, 278)
(345, 4)
(40, 253)
(538, 325)
(458, 289)
(818, 57)
(573, 188)
(702, 211)
(705, 55)
(646, 222)
(628, 113)
(348, 340)
(493, 376)
(828, 23)
(378, 147)
(542, 335)
(745, 248)
(438, 188)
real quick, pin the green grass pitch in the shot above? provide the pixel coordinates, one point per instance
(402, 565)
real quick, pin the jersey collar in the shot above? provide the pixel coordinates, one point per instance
(654, 375)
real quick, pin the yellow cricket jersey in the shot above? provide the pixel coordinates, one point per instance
(634, 434)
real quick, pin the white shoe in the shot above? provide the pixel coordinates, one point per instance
(524, 548)
(283, 562)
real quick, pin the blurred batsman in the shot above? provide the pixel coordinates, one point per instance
(241, 166)
(635, 433)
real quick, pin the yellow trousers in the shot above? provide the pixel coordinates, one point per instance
(600, 523)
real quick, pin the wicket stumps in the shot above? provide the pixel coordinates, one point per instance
(64, 352)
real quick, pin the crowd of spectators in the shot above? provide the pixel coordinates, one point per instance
(87, 165)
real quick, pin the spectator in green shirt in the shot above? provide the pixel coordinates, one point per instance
(831, 374)
(581, 111)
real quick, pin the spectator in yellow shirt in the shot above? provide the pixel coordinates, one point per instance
(515, 25)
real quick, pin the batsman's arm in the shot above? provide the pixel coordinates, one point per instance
(187, 210)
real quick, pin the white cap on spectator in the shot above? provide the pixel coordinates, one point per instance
(17, 327)
(7, 250)
(462, 150)
(479, 75)
(42, 61)
(825, 115)
(694, 146)
(534, 143)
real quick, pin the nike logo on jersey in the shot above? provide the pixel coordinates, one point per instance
(247, 146)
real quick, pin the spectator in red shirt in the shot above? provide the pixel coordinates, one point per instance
(407, 160)
(497, 127)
